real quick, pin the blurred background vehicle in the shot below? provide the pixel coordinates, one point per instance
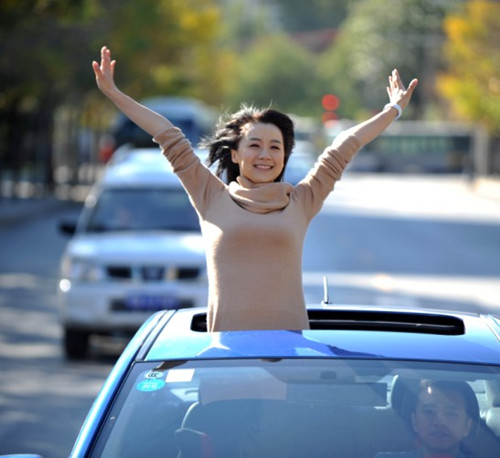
(136, 249)
(298, 166)
(193, 117)
(411, 147)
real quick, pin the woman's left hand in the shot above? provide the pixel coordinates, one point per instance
(397, 92)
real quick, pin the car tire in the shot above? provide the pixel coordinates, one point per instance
(76, 343)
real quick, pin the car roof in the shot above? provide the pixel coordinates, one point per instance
(139, 167)
(181, 106)
(336, 332)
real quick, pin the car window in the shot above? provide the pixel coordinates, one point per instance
(292, 408)
(297, 168)
(128, 132)
(141, 209)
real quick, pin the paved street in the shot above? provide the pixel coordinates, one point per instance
(429, 241)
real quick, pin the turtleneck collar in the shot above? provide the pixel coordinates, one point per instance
(260, 197)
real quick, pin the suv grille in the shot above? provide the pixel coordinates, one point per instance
(151, 273)
(151, 304)
(119, 272)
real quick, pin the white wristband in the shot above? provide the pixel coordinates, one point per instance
(397, 107)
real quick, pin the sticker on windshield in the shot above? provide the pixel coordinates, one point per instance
(180, 375)
(154, 374)
(152, 384)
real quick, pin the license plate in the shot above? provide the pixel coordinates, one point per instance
(148, 302)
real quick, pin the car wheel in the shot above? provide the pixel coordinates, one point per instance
(76, 343)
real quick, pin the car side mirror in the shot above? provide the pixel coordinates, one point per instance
(67, 227)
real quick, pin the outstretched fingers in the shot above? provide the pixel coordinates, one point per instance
(397, 91)
(396, 77)
(104, 72)
(412, 85)
(396, 83)
(107, 65)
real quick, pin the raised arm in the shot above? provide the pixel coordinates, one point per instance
(400, 96)
(148, 120)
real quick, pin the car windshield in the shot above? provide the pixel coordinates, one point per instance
(129, 132)
(141, 209)
(287, 408)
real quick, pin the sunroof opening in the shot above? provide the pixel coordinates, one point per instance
(368, 320)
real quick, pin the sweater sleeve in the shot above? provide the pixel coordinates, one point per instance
(176, 148)
(199, 182)
(328, 169)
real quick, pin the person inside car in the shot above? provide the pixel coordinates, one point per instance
(444, 414)
(253, 224)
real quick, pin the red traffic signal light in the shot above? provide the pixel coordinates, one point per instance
(330, 102)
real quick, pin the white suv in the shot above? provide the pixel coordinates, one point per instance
(136, 249)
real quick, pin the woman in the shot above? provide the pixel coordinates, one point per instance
(254, 226)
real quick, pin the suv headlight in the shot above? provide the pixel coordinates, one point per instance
(82, 270)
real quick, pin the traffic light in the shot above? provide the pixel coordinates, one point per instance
(330, 103)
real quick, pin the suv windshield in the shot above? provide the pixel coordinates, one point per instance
(141, 209)
(288, 408)
(129, 132)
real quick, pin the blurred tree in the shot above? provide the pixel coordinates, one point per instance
(377, 36)
(38, 40)
(300, 16)
(275, 71)
(270, 57)
(163, 47)
(168, 47)
(471, 82)
(244, 21)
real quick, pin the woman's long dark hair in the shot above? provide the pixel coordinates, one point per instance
(229, 132)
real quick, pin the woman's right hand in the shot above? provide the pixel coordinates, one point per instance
(104, 73)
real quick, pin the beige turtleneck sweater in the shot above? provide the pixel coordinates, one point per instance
(254, 235)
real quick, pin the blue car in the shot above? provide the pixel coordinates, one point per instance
(346, 388)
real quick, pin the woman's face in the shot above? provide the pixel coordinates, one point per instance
(260, 154)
